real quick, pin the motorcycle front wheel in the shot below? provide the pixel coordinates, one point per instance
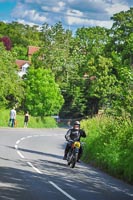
(74, 160)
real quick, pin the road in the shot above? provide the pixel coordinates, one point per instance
(32, 168)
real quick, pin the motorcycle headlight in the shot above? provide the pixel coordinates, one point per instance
(77, 144)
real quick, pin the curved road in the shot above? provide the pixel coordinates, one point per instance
(31, 168)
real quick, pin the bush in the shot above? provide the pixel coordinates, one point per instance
(109, 145)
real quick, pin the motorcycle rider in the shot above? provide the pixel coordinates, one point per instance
(74, 133)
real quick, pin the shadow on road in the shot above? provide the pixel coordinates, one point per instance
(20, 184)
(91, 181)
(39, 152)
(14, 183)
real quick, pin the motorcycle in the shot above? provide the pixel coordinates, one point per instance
(72, 155)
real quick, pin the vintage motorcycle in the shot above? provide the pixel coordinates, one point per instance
(72, 155)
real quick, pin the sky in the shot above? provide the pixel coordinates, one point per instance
(72, 14)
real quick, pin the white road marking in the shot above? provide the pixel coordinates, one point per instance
(20, 154)
(29, 136)
(62, 191)
(36, 169)
(22, 138)
(18, 142)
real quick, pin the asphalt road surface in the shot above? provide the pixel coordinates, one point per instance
(32, 168)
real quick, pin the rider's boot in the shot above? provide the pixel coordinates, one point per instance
(65, 157)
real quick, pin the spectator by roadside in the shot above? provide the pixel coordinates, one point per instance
(26, 119)
(12, 117)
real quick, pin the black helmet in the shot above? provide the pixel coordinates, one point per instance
(76, 123)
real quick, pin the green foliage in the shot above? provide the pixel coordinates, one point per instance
(34, 122)
(122, 40)
(21, 52)
(92, 39)
(43, 97)
(104, 56)
(42, 122)
(20, 34)
(109, 145)
(11, 88)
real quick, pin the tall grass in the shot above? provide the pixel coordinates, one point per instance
(109, 145)
(34, 122)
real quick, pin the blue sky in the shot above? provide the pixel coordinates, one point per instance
(72, 13)
(6, 8)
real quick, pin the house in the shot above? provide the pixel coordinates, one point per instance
(24, 64)
(32, 50)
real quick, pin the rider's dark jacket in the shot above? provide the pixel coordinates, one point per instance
(74, 134)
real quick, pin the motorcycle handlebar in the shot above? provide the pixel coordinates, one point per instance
(72, 140)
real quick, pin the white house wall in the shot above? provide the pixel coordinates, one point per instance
(23, 70)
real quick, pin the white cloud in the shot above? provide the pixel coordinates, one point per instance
(61, 4)
(74, 13)
(116, 8)
(23, 13)
(34, 16)
(46, 8)
(80, 22)
(59, 7)
(25, 22)
(70, 12)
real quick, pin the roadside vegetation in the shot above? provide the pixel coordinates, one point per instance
(109, 145)
(34, 122)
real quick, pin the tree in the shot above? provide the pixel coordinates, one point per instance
(120, 49)
(7, 42)
(68, 59)
(54, 53)
(88, 45)
(121, 35)
(21, 52)
(43, 97)
(11, 90)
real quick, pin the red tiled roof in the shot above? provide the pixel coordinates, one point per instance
(20, 63)
(32, 49)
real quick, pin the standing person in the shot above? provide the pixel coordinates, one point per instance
(69, 123)
(26, 119)
(12, 117)
(74, 133)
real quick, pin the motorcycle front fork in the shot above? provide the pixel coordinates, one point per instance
(73, 152)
